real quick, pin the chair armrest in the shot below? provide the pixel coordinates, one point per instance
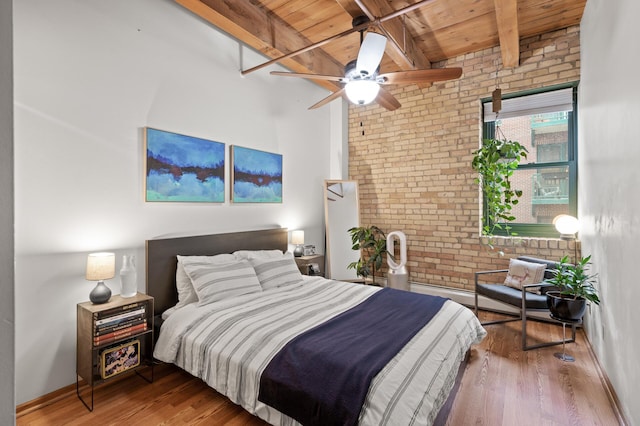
(491, 272)
(497, 271)
(478, 273)
(540, 284)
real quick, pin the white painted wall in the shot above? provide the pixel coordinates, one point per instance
(609, 184)
(7, 312)
(89, 75)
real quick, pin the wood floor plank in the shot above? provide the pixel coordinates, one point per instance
(501, 385)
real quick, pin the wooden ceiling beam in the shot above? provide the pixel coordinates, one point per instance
(402, 48)
(508, 32)
(266, 33)
(350, 7)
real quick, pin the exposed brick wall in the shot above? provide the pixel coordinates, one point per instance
(414, 164)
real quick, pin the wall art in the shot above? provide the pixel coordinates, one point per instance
(119, 359)
(183, 168)
(256, 176)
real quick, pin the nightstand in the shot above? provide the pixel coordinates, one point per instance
(303, 263)
(113, 338)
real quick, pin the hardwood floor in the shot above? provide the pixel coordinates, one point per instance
(501, 386)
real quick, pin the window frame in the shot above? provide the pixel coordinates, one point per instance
(488, 132)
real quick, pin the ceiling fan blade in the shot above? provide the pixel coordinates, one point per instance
(371, 52)
(420, 76)
(309, 76)
(387, 100)
(328, 99)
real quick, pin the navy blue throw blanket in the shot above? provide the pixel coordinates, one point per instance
(322, 376)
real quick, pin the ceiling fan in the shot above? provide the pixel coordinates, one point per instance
(362, 80)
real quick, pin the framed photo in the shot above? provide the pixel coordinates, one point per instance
(256, 176)
(119, 359)
(183, 168)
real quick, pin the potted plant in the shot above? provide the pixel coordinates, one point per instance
(575, 287)
(495, 163)
(372, 243)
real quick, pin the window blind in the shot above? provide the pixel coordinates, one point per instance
(554, 101)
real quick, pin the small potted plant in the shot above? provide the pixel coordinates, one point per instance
(495, 163)
(372, 243)
(575, 287)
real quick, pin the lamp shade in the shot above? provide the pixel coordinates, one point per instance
(101, 266)
(362, 92)
(566, 225)
(297, 237)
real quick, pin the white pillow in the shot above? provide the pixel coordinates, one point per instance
(216, 282)
(186, 292)
(276, 271)
(522, 273)
(257, 254)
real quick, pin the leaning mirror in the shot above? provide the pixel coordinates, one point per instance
(342, 212)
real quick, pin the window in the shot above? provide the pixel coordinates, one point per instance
(545, 122)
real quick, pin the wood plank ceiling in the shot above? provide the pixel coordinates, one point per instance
(433, 31)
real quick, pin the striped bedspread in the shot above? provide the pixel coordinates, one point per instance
(229, 343)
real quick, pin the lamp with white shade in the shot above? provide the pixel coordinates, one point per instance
(100, 267)
(297, 238)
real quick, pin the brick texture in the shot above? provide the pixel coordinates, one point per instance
(414, 170)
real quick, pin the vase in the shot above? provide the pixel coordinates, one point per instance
(128, 277)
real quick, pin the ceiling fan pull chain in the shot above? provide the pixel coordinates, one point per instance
(404, 33)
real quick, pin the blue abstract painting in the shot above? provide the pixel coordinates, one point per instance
(257, 176)
(183, 168)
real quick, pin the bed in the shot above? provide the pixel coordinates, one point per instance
(244, 345)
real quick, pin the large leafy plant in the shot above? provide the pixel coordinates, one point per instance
(372, 243)
(574, 280)
(495, 163)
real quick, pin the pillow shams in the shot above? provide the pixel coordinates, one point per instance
(216, 282)
(276, 271)
(186, 292)
(523, 273)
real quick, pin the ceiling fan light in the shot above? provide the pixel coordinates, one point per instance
(362, 92)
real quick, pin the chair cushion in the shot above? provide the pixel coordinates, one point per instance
(512, 296)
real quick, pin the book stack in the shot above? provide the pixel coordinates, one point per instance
(117, 323)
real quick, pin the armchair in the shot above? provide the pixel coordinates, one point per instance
(522, 299)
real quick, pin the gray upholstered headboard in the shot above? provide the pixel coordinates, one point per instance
(161, 259)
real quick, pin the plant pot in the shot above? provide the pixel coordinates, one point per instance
(566, 307)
